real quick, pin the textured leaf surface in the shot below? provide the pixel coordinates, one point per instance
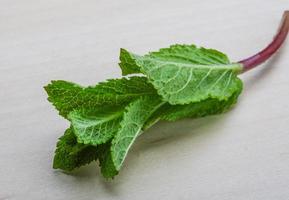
(96, 126)
(188, 54)
(184, 74)
(134, 118)
(193, 110)
(67, 96)
(70, 155)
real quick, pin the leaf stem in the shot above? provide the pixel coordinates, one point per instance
(265, 54)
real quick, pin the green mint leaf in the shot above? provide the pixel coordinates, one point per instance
(127, 63)
(96, 126)
(105, 161)
(184, 74)
(131, 125)
(68, 96)
(189, 54)
(193, 110)
(198, 109)
(70, 155)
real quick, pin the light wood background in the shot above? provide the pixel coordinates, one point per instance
(241, 155)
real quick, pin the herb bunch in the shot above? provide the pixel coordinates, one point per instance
(181, 81)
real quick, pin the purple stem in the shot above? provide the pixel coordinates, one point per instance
(262, 56)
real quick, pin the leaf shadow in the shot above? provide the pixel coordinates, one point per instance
(88, 176)
(164, 134)
(157, 138)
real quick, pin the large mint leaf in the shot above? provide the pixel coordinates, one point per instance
(70, 155)
(67, 96)
(96, 126)
(184, 74)
(133, 120)
(189, 54)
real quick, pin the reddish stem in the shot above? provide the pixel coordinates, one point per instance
(262, 56)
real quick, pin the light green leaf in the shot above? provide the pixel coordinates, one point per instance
(184, 74)
(68, 96)
(96, 126)
(188, 54)
(134, 118)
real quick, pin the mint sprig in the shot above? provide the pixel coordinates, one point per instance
(181, 81)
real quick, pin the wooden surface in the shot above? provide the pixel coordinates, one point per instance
(241, 155)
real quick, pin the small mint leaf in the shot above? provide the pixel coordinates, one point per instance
(70, 155)
(96, 126)
(131, 125)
